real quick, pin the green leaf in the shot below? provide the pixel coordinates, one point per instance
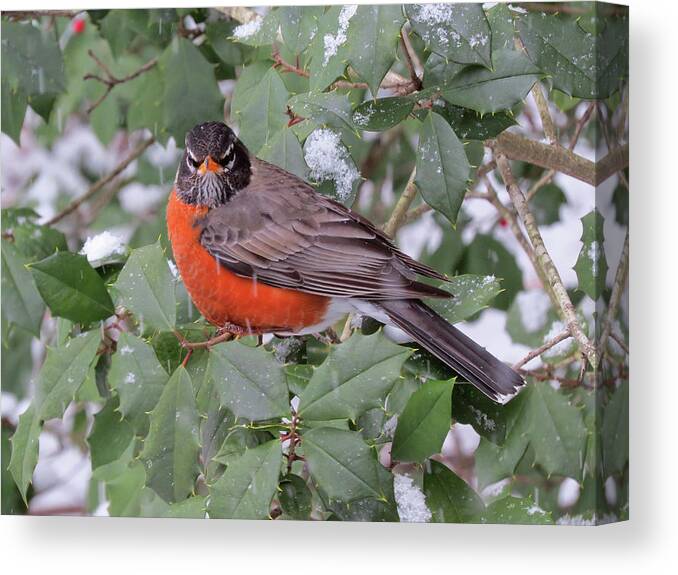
(438, 71)
(578, 62)
(516, 511)
(249, 80)
(330, 108)
(137, 376)
(63, 372)
(545, 420)
(265, 113)
(442, 167)
(33, 241)
(146, 288)
(124, 491)
(191, 93)
(329, 49)
(470, 125)
(486, 90)
(591, 266)
(146, 108)
(249, 380)
(21, 302)
(615, 430)
(248, 485)
(449, 497)
(219, 34)
(487, 256)
(356, 376)
(13, 109)
(471, 293)
(343, 465)
(372, 42)
(259, 32)
(298, 25)
(474, 408)
(382, 114)
(546, 204)
(500, 18)
(530, 317)
(25, 449)
(458, 31)
(284, 150)
(295, 497)
(424, 423)
(110, 436)
(31, 59)
(171, 449)
(71, 288)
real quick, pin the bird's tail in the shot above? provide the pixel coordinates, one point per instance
(471, 361)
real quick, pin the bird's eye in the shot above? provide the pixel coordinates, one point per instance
(191, 161)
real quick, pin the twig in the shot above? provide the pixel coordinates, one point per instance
(620, 341)
(559, 293)
(615, 297)
(192, 345)
(111, 81)
(544, 113)
(29, 14)
(75, 204)
(537, 352)
(401, 207)
(516, 147)
(411, 59)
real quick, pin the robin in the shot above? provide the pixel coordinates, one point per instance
(260, 251)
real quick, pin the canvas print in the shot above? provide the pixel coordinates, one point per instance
(330, 263)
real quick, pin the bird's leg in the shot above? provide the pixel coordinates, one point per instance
(328, 337)
(225, 333)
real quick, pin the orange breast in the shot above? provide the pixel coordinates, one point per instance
(221, 296)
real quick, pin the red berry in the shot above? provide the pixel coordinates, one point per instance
(502, 222)
(78, 26)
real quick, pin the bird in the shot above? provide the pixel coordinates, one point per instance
(261, 251)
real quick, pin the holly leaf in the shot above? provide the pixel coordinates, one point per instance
(500, 18)
(171, 449)
(343, 465)
(382, 114)
(284, 150)
(249, 381)
(258, 32)
(146, 288)
(265, 113)
(71, 288)
(449, 497)
(615, 431)
(562, 49)
(295, 497)
(110, 436)
(13, 108)
(470, 125)
(330, 108)
(471, 293)
(483, 90)
(191, 94)
(137, 376)
(24, 456)
(591, 266)
(248, 485)
(516, 511)
(298, 25)
(424, 423)
(356, 376)
(372, 42)
(21, 302)
(459, 32)
(442, 167)
(546, 204)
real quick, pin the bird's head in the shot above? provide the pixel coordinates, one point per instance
(214, 166)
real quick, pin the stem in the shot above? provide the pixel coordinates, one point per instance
(411, 59)
(537, 352)
(559, 294)
(75, 204)
(615, 297)
(401, 207)
(544, 113)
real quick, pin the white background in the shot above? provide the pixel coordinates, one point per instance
(648, 542)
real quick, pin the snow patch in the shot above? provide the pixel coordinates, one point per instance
(534, 306)
(328, 159)
(248, 29)
(102, 246)
(410, 500)
(562, 347)
(332, 42)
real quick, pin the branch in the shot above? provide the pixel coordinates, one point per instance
(615, 297)
(544, 113)
(537, 352)
(240, 13)
(411, 59)
(75, 204)
(559, 293)
(401, 207)
(111, 81)
(30, 14)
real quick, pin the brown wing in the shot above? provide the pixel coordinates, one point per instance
(282, 232)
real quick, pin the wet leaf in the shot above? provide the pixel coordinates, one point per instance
(449, 497)
(21, 302)
(591, 266)
(382, 114)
